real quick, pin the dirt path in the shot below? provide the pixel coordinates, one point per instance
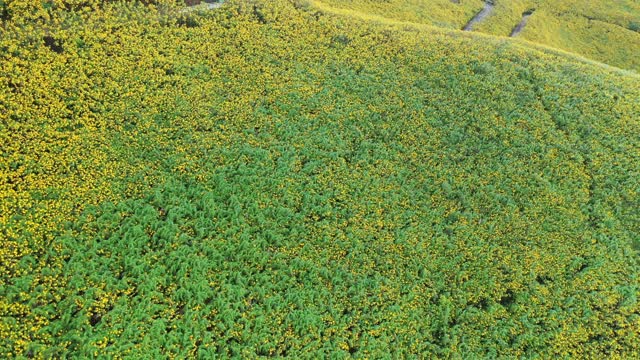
(213, 5)
(486, 11)
(203, 6)
(522, 24)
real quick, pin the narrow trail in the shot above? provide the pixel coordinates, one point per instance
(518, 29)
(213, 5)
(203, 5)
(486, 11)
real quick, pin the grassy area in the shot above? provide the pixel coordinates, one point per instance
(608, 32)
(444, 13)
(267, 179)
(603, 31)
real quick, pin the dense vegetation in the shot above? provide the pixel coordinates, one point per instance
(606, 31)
(269, 179)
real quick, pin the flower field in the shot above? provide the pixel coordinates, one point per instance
(271, 179)
(606, 31)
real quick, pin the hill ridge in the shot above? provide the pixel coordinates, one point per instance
(533, 46)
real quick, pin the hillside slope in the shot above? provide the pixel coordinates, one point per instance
(267, 179)
(607, 31)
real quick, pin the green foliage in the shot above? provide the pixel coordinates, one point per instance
(277, 181)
